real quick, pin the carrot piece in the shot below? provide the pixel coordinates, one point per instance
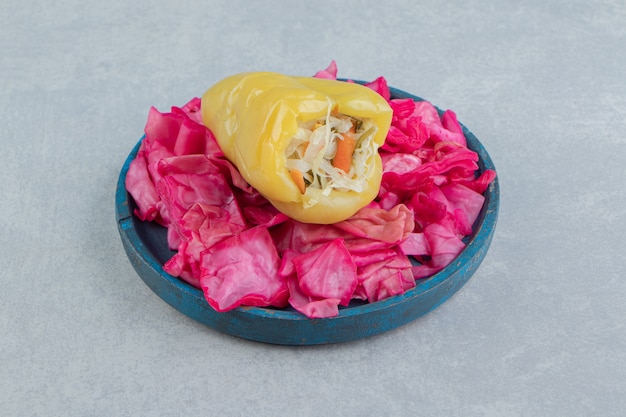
(345, 150)
(298, 178)
(305, 146)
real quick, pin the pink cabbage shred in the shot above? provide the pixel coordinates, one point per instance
(240, 251)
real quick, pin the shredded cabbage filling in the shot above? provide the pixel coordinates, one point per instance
(313, 148)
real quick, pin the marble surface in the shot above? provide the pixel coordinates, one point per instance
(539, 329)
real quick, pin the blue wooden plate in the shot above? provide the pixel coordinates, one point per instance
(146, 246)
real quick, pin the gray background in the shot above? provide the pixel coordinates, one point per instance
(539, 329)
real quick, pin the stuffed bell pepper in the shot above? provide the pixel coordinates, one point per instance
(308, 145)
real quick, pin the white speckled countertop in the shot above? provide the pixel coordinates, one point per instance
(539, 329)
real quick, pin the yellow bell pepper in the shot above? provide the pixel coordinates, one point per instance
(284, 135)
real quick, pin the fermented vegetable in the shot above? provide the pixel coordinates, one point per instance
(308, 145)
